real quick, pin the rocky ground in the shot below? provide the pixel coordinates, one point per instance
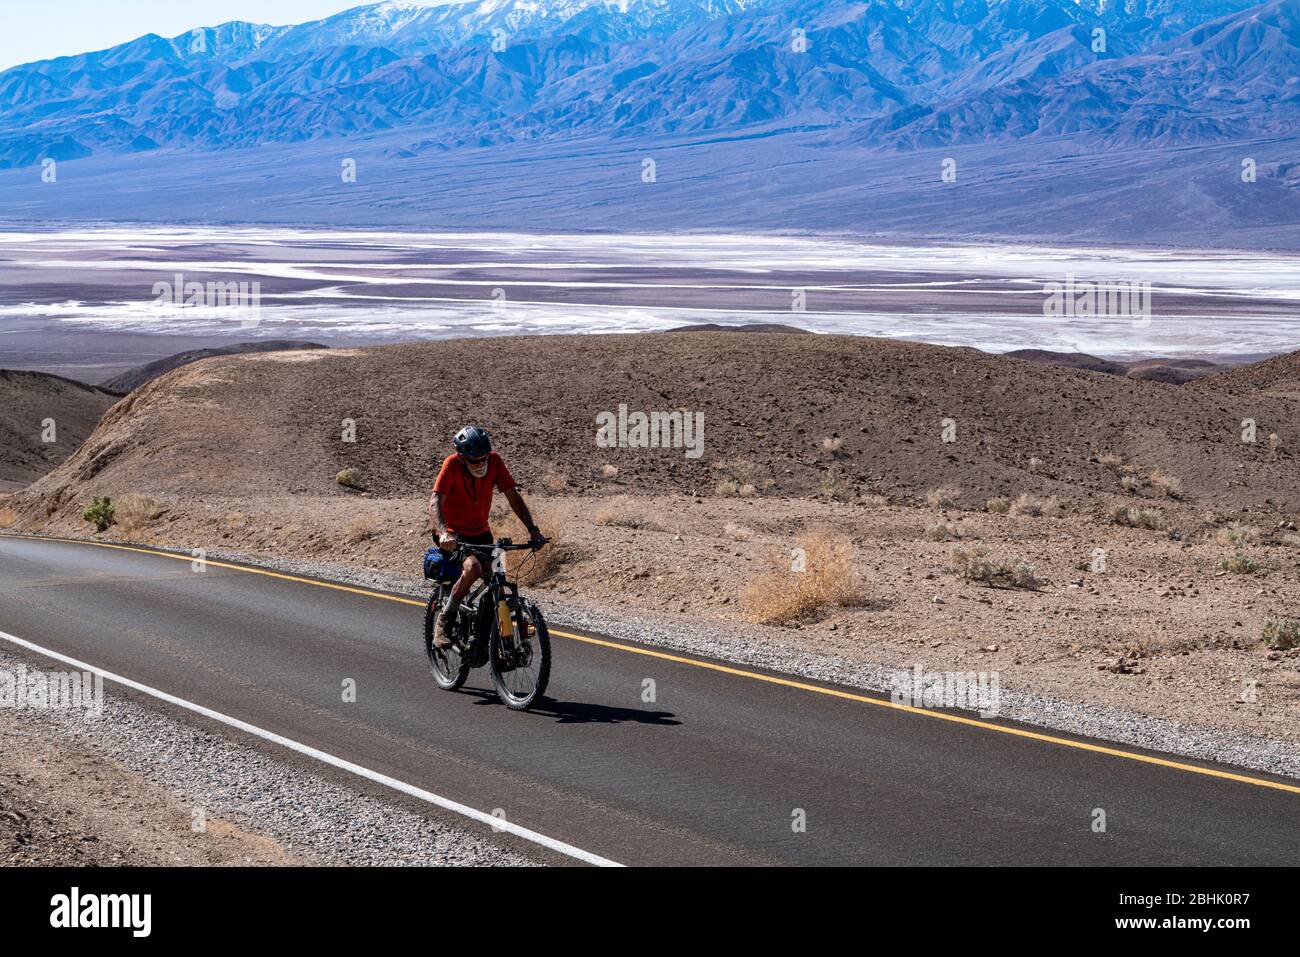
(1160, 616)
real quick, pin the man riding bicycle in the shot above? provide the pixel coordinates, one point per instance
(459, 509)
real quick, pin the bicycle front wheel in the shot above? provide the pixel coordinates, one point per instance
(521, 667)
(447, 665)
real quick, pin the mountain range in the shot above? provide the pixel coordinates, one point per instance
(892, 74)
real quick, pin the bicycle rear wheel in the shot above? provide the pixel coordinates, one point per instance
(521, 670)
(448, 665)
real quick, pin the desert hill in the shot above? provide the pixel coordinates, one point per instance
(1176, 371)
(27, 400)
(134, 378)
(1278, 377)
(792, 415)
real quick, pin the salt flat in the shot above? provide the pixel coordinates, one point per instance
(89, 294)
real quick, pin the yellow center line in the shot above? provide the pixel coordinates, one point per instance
(741, 673)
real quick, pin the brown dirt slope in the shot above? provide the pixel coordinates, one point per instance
(1279, 376)
(27, 399)
(272, 423)
(134, 378)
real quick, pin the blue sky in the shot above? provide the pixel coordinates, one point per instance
(40, 30)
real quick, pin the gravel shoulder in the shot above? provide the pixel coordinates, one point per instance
(135, 786)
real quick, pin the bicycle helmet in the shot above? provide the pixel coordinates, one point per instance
(472, 442)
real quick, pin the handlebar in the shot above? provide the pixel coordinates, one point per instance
(502, 543)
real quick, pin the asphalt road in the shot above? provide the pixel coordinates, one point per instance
(714, 771)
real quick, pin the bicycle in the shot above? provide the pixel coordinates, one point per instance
(494, 626)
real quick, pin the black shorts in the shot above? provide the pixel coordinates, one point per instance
(484, 539)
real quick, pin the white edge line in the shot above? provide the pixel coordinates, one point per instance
(497, 823)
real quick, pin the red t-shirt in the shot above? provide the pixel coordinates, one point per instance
(466, 500)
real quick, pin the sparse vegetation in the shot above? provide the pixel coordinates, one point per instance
(1237, 535)
(621, 513)
(1282, 634)
(836, 487)
(974, 564)
(100, 513)
(1171, 486)
(998, 505)
(730, 488)
(136, 513)
(351, 478)
(739, 533)
(531, 568)
(1111, 461)
(1133, 517)
(822, 574)
(361, 528)
(1026, 504)
(609, 471)
(8, 518)
(1239, 564)
(832, 444)
(941, 532)
(942, 497)
(555, 482)
(1130, 483)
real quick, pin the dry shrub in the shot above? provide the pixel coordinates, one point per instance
(1131, 517)
(135, 513)
(730, 488)
(998, 505)
(823, 574)
(832, 444)
(620, 513)
(739, 533)
(834, 486)
(609, 471)
(1111, 461)
(362, 528)
(555, 482)
(1026, 504)
(1236, 535)
(531, 568)
(1239, 564)
(974, 564)
(941, 532)
(1172, 487)
(1282, 634)
(8, 518)
(943, 497)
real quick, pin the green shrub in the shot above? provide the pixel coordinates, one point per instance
(101, 513)
(1240, 564)
(350, 478)
(973, 564)
(1282, 634)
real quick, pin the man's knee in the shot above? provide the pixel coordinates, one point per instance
(473, 569)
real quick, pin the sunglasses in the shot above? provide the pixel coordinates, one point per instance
(478, 461)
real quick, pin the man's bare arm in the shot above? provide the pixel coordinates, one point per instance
(436, 521)
(521, 509)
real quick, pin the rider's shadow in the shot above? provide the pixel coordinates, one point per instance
(583, 712)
